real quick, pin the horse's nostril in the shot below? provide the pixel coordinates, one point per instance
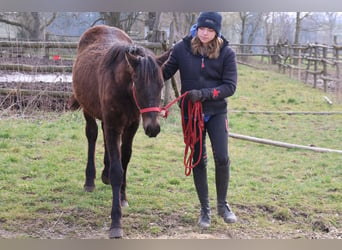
(152, 131)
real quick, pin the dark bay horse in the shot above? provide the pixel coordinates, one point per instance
(115, 81)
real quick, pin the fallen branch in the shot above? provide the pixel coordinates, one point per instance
(327, 100)
(282, 144)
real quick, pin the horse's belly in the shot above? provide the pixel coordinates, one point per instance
(85, 89)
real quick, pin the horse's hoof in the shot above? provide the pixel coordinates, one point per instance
(89, 188)
(124, 203)
(115, 233)
(105, 179)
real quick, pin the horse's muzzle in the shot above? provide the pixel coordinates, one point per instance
(152, 131)
(151, 125)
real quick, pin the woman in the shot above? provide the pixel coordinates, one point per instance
(208, 71)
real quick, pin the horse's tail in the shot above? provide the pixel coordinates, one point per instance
(73, 103)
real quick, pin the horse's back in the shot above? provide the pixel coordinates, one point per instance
(102, 34)
(89, 66)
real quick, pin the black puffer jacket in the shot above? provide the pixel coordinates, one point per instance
(216, 78)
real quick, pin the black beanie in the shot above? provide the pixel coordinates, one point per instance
(211, 20)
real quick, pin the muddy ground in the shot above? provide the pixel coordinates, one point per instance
(34, 95)
(171, 228)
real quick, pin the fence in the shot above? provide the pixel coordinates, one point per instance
(37, 61)
(320, 61)
(315, 63)
(58, 51)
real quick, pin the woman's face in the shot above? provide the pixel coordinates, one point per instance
(205, 34)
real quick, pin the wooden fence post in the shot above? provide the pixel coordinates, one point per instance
(299, 64)
(46, 49)
(325, 68)
(308, 64)
(315, 66)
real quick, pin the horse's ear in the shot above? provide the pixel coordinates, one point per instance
(161, 59)
(131, 59)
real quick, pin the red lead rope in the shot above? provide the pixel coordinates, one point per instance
(192, 131)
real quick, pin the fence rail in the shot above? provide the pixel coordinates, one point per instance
(314, 62)
(50, 48)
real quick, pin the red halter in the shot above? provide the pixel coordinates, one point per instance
(164, 111)
(191, 136)
(144, 110)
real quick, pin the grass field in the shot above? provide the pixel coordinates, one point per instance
(275, 192)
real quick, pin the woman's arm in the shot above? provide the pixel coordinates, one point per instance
(229, 79)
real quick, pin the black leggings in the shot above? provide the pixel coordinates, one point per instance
(217, 128)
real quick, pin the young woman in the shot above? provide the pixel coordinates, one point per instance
(208, 71)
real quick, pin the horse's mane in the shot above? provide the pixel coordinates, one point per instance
(114, 55)
(147, 63)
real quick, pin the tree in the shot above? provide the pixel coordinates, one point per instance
(152, 22)
(111, 19)
(30, 25)
(250, 24)
(299, 20)
(180, 25)
(121, 20)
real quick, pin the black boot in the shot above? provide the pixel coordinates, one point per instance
(222, 180)
(201, 184)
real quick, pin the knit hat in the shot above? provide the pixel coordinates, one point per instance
(210, 20)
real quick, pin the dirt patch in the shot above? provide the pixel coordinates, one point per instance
(19, 95)
(84, 224)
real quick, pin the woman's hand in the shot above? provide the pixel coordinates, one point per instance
(195, 95)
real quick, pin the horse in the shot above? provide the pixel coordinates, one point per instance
(117, 82)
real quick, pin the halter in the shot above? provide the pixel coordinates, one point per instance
(144, 110)
(164, 111)
(192, 132)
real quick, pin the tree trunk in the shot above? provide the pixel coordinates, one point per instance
(297, 29)
(112, 19)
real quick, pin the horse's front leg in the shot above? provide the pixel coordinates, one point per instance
(112, 138)
(91, 133)
(105, 172)
(126, 153)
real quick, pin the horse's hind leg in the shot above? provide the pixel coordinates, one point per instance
(126, 152)
(91, 133)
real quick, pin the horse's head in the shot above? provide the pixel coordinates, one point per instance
(147, 81)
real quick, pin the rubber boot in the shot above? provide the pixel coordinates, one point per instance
(222, 180)
(201, 184)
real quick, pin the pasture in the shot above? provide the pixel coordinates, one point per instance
(275, 192)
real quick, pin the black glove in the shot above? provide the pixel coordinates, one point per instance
(195, 95)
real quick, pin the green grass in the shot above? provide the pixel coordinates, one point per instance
(275, 192)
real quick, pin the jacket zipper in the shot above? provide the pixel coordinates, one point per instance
(202, 65)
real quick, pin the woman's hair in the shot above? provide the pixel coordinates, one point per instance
(212, 50)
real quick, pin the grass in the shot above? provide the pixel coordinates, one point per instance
(275, 192)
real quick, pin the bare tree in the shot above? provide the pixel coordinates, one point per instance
(152, 22)
(243, 18)
(320, 27)
(111, 18)
(121, 20)
(250, 25)
(180, 25)
(299, 19)
(30, 25)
